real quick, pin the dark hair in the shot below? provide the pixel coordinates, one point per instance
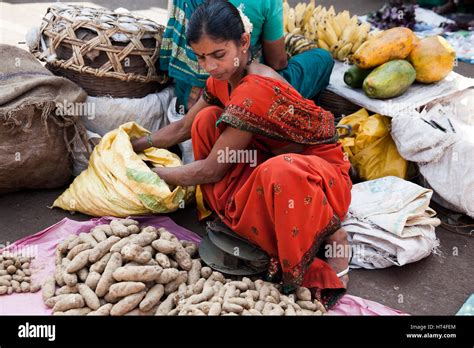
(217, 18)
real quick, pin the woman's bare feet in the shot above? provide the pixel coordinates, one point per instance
(337, 252)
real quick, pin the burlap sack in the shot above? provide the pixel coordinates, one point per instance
(34, 139)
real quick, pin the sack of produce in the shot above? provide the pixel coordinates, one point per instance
(105, 114)
(35, 136)
(110, 113)
(443, 155)
(118, 182)
(370, 147)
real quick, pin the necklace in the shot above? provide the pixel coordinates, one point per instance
(250, 61)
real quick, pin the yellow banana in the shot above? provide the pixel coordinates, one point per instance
(355, 34)
(339, 23)
(354, 20)
(299, 13)
(323, 44)
(363, 34)
(304, 44)
(347, 34)
(334, 49)
(357, 44)
(306, 30)
(331, 11)
(343, 20)
(344, 52)
(308, 13)
(331, 37)
(317, 10)
(286, 10)
(335, 25)
(291, 24)
(320, 31)
(296, 31)
(313, 28)
(322, 14)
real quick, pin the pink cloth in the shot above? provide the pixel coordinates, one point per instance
(353, 305)
(43, 244)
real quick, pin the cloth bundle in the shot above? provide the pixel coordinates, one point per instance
(390, 223)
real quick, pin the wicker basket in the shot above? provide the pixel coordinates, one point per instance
(338, 105)
(104, 52)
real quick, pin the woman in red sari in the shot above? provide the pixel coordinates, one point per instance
(290, 191)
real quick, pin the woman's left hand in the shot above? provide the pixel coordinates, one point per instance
(162, 172)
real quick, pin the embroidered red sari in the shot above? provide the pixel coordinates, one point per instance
(287, 204)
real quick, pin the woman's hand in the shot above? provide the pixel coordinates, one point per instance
(172, 134)
(215, 166)
(140, 144)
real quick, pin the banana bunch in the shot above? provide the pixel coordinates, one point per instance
(296, 19)
(338, 33)
(296, 44)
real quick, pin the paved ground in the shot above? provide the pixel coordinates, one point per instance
(437, 285)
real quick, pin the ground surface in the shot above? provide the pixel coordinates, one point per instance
(437, 285)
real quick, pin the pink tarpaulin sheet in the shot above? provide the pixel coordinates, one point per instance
(43, 244)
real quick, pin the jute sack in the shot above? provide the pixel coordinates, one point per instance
(34, 139)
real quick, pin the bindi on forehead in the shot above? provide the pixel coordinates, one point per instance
(212, 51)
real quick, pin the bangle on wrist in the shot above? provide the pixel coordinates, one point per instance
(149, 141)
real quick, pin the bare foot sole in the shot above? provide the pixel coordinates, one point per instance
(338, 257)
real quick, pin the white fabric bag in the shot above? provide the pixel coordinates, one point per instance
(110, 113)
(186, 147)
(445, 159)
(390, 223)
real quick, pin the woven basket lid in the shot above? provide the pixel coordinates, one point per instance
(119, 35)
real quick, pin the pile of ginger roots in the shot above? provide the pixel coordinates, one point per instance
(123, 268)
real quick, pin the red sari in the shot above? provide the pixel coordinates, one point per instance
(287, 204)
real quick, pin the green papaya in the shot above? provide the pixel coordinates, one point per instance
(389, 80)
(355, 76)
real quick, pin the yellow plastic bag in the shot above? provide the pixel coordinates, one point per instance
(202, 211)
(119, 183)
(370, 147)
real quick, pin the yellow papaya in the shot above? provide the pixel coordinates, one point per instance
(433, 59)
(395, 43)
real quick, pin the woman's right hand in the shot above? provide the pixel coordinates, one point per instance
(172, 134)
